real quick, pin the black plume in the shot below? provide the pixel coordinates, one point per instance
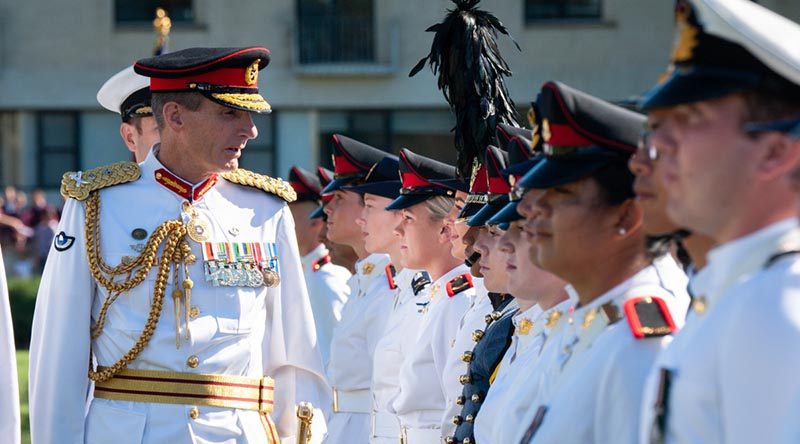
(470, 70)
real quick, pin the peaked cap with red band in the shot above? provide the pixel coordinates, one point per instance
(305, 183)
(423, 178)
(352, 161)
(581, 135)
(227, 76)
(478, 192)
(504, 133)
(325, 177)
(496, 162)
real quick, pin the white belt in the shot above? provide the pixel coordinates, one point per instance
(352, 401)
(385, 425)
(420, 436)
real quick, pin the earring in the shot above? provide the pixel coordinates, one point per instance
(621, 231)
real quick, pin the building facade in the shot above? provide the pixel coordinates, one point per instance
(337, 66)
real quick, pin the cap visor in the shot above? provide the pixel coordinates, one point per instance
(688, 85)
(506, 214)
(336, 184)
(319, 213)
(470, 210)
(521, 168)
(407, 200)
(486, 213)
(252, 102)
(552, 172)
(389, 189)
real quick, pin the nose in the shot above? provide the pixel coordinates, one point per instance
(361, 219)
(640, 164)
(398, 229)
(248, 127)
(469, 237)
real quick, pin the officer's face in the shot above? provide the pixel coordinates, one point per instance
(570, 227)
(420, 236)
(458, 228)
(650, 193)
(709, 163)
(526, 281)
(493, 263)
(216, 136)
(140, 135)
(374, 221)
(468, 239)
(342, 212)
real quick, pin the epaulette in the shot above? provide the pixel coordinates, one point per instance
(271, 185)
(459, 284)
(78, 184)
(390, 274)
(421, 280)
(317, 264)
(648, 317)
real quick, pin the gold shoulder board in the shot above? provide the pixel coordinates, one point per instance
(268, 184)
(78, 184)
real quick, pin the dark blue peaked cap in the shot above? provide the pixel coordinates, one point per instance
(352, 160)
(382, 180)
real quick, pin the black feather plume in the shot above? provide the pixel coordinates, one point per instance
(471, 73)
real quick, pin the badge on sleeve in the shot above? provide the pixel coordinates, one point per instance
(62, 242)
(649, 317)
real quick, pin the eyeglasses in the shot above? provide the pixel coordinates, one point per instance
(790, 127)
(646, 145)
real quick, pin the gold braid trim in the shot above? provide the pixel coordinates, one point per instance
(250, 101)
(78, 184)
(176, 252)
(278, 187)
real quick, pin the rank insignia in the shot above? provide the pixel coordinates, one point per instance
(391, 272)
(459, 284)
(524, 327)
(367, 268)
(552, 318)
(317, 264)
(699, 305)
(241, 264)
(421, 280)
(649, 317)
(62, 242)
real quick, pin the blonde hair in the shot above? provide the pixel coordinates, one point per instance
(440, 206)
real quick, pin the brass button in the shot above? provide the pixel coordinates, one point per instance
(450, 440)
(496, 315)
(194, 312)
(469, 419)
(488, 319)
(457, 420)
(194, 413)
(467, 356)
(460, 400)
(477, 335)
(467, 441)
(476, 397)
(464, 379)
(193, 361)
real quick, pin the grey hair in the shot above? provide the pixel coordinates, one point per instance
(189, 99)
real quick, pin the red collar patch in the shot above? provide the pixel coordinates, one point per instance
(317, 264)
(649, 317)
(390, 274)
(183, 188)
(459, 284)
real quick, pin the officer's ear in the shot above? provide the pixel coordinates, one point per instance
(629, 218)
(127, 131)
(172, 116)
(781, 155)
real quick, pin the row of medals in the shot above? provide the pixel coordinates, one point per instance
(222, 273)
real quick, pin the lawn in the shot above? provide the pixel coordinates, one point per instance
(22, 370)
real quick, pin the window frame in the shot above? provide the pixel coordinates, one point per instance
(563, 17)
(42, 151)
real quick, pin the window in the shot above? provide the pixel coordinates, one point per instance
(544, 10)
(58, 141)
(425, 132)
(144, 11)
(259, 155)
(335, 31)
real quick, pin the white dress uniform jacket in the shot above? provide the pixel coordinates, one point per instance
(353, 349)
(735, 365)
(514, 371)
(327, 291)
(422, 399)
(474, 319)
(600, 369)
(9, 393)
(237, 331)
(393, 348)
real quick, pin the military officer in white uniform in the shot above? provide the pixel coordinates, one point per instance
(721, 125)
(587, 230)
(128, 94)
(426, 201)
(364, 316)
(326, 281)
(9, 396)
(176, 283)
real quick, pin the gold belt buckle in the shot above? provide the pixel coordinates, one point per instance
(335, 401)
(266, 386)
(404, 435)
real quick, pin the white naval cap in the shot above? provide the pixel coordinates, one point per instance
(127, 94)
(726, 46)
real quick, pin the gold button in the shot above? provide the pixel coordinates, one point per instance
(496, 315)
(193, 361)
(476, 397)
(194, 312)
(464, 379)
(469, 419)
(460, 400)
(477, 335)
(467, 440)
(488, 318)
(450, 440)
(456, 420)
(194, 413)
(467, 356)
